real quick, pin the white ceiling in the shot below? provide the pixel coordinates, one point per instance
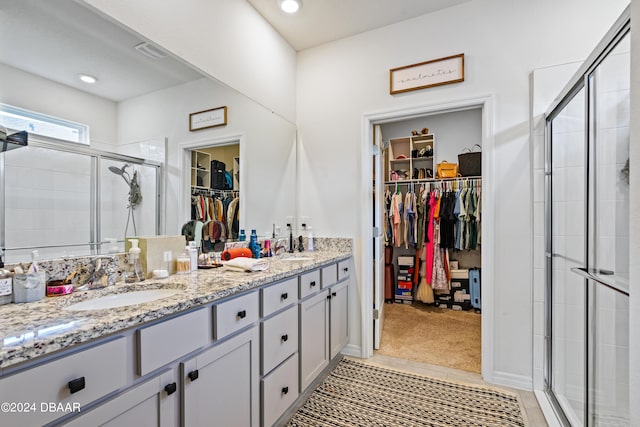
(58, 39)
(322, 21)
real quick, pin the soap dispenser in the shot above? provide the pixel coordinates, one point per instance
(135, 266)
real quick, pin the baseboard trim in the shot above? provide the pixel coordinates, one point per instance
(353, 351)
(514, 381)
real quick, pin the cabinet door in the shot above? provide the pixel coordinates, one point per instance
(314, 338)
(221, 384)
(339, 317)
(153, 403)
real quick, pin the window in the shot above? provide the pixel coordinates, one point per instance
(40, 124)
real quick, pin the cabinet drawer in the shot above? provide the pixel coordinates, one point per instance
(279, 296)
(232, 315)
(279, 390)
(309, 283)
(279, 338)
(343, 269)
(73, 381)
(169, 340)
(329, 275)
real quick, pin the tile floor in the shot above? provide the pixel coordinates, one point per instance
(532, 414)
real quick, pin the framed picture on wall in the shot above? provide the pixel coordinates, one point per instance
(208, 118)
(437, 72)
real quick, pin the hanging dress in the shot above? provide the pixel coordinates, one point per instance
(430, 232)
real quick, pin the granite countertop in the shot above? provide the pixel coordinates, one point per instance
(31, 330)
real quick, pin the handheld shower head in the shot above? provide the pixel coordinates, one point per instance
(121, 171)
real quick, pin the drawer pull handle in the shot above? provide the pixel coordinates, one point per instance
(170, 388)
(284, 296)
(285, 390)
(76, 385)
(242, 314)
(346, 269)
(285, 337)
(328, 296)
(193, 375)
(312, 284)
(333, 294)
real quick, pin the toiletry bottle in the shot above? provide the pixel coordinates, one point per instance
(135, 265)
(183, 262)
(310, 246)
(6, 287)
(193, 255)
(241, 236)
(254, 245)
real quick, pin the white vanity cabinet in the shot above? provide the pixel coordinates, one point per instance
(238, 361)
(153, 403)
(314, 335)
(220, 385)
(324, 322)
(338, 317)
(70, 383)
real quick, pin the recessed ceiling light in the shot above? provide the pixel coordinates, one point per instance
(87, 78)
(290, 6)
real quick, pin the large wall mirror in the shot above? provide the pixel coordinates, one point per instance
(138, 116)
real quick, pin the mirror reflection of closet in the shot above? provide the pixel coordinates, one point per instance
(127, 116)
(215, 187)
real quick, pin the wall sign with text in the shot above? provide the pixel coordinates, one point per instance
(437, 72)
(208, 118)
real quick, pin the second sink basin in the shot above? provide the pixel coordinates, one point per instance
(123, 299)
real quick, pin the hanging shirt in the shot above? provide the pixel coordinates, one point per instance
(409, 220)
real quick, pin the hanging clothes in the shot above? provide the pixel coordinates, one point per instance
(430, 234)
(396, 209)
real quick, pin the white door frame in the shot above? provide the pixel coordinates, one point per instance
(184, 160)
(488, 220)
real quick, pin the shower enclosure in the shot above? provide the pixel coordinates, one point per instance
(587, 244)
(65, 200)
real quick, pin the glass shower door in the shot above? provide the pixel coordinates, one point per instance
(609, 237)
(587, 201)
(568, 240)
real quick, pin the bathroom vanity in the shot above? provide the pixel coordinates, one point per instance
(228, 348)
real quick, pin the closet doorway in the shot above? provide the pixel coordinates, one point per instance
(211, 188)
(414, 317)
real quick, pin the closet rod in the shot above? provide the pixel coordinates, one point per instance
(211, 191)
(434, 181)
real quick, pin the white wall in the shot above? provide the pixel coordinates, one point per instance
(25, 90)
(267, 150)
(228, 40)
(502, 42)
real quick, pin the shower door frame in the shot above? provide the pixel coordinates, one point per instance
(582, 79)
(95, 238)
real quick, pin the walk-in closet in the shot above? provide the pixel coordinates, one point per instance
(430, 206)
(214, 196)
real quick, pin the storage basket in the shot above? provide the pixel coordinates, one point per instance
(470, 162)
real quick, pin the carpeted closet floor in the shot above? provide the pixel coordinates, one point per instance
(433, 335)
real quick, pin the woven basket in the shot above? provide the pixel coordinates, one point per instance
(470, 163)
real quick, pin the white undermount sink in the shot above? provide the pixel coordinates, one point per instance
(123, 299)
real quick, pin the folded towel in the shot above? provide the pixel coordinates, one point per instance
(247, 264)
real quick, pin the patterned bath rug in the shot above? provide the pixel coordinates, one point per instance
(361, 394)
